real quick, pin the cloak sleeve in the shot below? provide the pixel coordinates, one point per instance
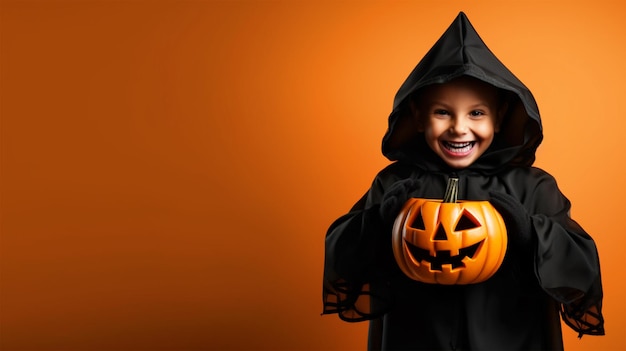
(566, 262)
(353, 276)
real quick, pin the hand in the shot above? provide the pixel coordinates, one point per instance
(395, 197)
(516, 218)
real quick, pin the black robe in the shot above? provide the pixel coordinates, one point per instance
(516, 309)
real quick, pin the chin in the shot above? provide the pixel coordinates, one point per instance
(458, 163)
(458, 166)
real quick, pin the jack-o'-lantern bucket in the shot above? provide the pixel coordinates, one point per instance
(448, 241)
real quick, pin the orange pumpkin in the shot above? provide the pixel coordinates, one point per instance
(449, 241)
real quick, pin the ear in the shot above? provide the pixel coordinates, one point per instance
(415, 113)
(502, 110)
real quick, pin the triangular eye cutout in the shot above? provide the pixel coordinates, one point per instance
(418, 222)
(467, 221)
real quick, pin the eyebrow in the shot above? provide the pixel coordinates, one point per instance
(478, 105)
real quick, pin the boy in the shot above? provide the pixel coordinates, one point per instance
(461, 113)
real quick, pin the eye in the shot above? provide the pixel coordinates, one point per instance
(418, 222)
(467, 221)
(441, 112)
(477, 113)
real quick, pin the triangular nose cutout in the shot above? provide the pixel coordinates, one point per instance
(440, 234)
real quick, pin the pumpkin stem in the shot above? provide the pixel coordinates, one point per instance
(452, 190)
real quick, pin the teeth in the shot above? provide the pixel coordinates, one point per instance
(459, 147)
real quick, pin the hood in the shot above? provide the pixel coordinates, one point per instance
(460, 51)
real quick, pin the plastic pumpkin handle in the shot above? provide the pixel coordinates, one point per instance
(452, 191)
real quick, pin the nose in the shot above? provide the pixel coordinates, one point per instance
(458, 126)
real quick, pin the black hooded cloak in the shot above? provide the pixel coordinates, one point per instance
(518, 308)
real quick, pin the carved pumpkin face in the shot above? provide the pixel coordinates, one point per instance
(439, 242)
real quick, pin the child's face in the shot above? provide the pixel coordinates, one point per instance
(459, 119)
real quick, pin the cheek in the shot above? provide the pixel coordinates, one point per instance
(432, 140)
(485, 131)
(436, 127)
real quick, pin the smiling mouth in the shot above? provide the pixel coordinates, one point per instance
(443, 256)
(458, 148)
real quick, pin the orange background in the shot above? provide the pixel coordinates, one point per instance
(169, 168)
